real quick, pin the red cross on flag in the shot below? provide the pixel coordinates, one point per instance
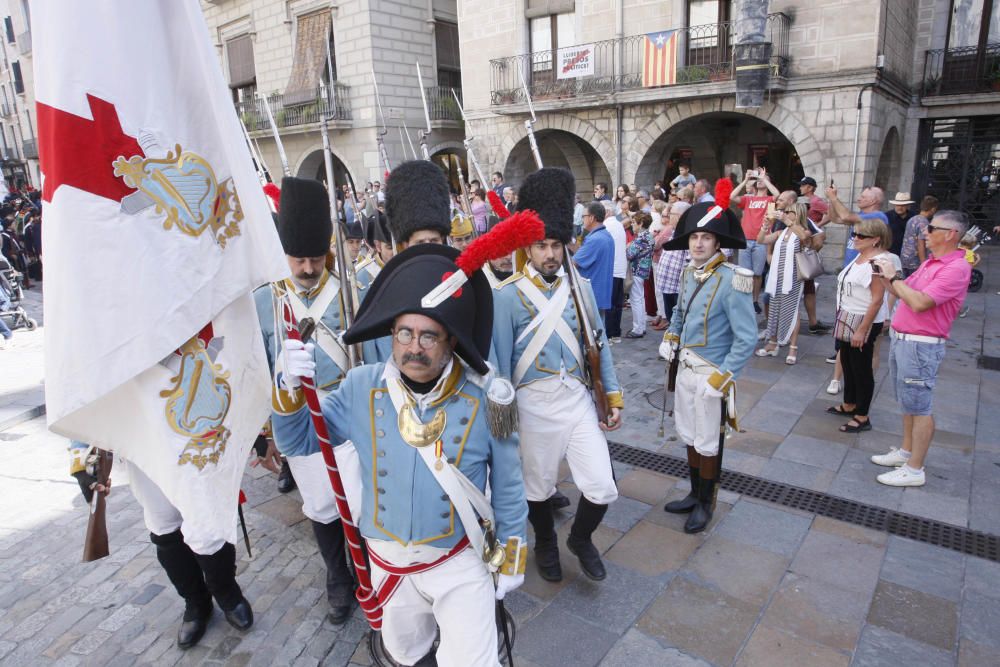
(156, 233)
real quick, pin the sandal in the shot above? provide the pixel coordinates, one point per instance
(839, 410)
(854, 426)
(767, 351)
(792, 357)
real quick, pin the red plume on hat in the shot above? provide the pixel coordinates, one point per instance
(497, 205)
(520, 230)
(723, 192)
(273, 193)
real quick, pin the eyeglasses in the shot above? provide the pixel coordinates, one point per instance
(861, 236)
(935, 228)
(426, 341)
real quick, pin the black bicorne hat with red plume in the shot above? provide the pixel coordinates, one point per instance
(713, 217)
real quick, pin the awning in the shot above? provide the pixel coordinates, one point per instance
(239, 57)
(311, 38)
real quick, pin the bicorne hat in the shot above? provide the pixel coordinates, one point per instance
(714, 217)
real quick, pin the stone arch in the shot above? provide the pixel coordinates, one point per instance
(455, 147)
(887, 172)
(646, 138)
(559, 149)
(311, 165)
(578, 127)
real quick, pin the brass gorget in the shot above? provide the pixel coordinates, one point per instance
(414, 432)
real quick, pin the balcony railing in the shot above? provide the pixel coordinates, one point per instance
(969, 69)
(441, 103)
(30, 149)
(333, 102)
(704, 53)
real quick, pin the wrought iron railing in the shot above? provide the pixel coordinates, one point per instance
(968, 69)
(704, 53)
(333, 102)
(441, 103)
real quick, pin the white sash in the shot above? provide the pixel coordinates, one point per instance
(324, 338)
(465, 496)
(549, 320)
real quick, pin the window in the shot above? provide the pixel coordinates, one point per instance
(240, 65)
(15, 68)
(548, 35)
(449, 63)
(973, 23)
(9, 27)
(705, 16)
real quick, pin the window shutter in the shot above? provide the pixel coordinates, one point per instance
(239, 57)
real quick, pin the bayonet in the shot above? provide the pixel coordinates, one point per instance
(277, 137)
(529, 125)
(409, 140)
(470, 155)
(382, 154)
(427, 117)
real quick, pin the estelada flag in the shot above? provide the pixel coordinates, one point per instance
(156, 233)
(659, 58)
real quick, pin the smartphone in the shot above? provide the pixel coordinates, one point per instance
(770, 210)
(875, 267)
(831, 182)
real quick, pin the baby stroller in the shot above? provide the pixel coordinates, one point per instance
(11, 311)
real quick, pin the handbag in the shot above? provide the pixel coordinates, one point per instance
(809, 264)
(846, 323)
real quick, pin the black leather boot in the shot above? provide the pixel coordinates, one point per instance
(220, 577)
(339, 581)
(703, 510)
(588, 518)
(184, 573)
(558, 501)
(688, 502)
(286, 482)
(546, 542)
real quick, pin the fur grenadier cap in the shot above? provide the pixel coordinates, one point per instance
(304, 223)
(714, 217)
(550, 193)
(416, 198)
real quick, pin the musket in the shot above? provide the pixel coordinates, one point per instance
(466, 202)
(277, 137)
(345, 267)
(95, 545)
(427, 117)
(400, 128)
(382, 154)
(591, 337)
(409, 140)
(258, 161)
(469, 153)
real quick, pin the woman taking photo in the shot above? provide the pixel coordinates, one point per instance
(859, 302)
(783, 282)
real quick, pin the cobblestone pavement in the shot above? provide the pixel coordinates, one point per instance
(765, 585)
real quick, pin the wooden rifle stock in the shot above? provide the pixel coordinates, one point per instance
(591, 349)
(675, 363)
(95, 545)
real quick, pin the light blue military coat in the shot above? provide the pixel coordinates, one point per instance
(513, 312)
(721, 326)
(401, 500)
(379, 349)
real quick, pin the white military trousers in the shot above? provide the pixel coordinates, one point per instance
(318, 501)
(558, 420)
(696, 416)
(161, 517)
(456, 597)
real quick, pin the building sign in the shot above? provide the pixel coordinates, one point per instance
(576, 61)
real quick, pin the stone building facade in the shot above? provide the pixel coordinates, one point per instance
(846, 99)
(278, 48)
(18, 140)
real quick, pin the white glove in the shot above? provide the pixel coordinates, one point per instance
(508, 582)
(297, 361)
(712, 392)
(667, 351)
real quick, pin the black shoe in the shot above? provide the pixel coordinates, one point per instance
(756, 308)
(546, 544)
(339, 615)
(590, 558)
(194, 623)
(688, 502)
(547, 561)
(285, 480)
(632, 334)
(559, 501)
(819, 328)
(702, 512)
(240, 616)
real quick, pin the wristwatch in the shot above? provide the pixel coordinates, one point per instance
(895, 278)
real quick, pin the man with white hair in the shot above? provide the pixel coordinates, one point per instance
(869, 206)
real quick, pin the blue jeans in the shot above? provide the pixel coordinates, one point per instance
(4, 305)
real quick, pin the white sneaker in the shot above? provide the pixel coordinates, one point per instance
(903, 476)
(833, 388)
(893, 459)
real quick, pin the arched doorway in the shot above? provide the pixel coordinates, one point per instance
(312, 167)
(717, 144)
(887, 174)
(450, 159)
(559, 149)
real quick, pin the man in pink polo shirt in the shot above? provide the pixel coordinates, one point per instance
(929, 301)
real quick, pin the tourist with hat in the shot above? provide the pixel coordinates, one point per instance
(537, 344)
(434, 430)
(712, 335)
(305, 229)
(902, 211)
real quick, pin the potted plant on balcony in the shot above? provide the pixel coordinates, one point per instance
(932, 85)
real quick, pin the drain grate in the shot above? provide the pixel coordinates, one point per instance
(988, 363)
(956, 538)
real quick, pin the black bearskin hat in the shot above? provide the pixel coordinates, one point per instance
(416, 198)
(550, 193)
(304, 223)
(406, 279)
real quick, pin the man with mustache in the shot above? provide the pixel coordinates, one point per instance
(305, 229)
(431, 428)
(537, 344)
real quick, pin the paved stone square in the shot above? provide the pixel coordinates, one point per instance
(765, 585)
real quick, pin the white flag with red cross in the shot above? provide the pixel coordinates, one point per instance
(156, 233)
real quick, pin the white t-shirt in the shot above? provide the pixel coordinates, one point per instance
(854, 288)
(617, 231)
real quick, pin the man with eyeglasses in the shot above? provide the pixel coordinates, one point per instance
(433, 430)
(596, 257)
(869, 206)
(929, 301)
(537, 344)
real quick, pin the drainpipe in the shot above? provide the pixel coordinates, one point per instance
(618, 145)
(857, 135)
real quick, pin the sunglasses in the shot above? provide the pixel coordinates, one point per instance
(861, 236)
(935, 228)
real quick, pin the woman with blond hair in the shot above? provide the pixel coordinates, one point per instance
(784, 286)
